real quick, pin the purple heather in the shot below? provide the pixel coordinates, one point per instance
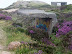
(31, 31)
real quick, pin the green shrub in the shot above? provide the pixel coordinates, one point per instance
(20, 29)
(10, 29)
(37, 33)
(25, 49)
(17, 24)
(48, 49)
(13, 29)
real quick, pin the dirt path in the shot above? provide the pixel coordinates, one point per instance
(3, 47)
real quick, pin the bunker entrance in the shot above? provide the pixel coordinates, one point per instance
(43, 23)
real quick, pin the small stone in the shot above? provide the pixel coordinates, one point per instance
(14, 45)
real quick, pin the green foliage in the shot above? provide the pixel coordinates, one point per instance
(13, 29)
(58, 50)
(19, 34)
(14, 18)
(37, 34)
(61, 44)
(69, 7)
(54, 30)
(48, 49)
(17, 24)
(16, 34)
(20, 29)
(55, 40)
(24, 49)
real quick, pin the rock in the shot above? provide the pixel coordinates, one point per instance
(13, 45)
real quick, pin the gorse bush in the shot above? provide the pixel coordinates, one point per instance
(37, 33)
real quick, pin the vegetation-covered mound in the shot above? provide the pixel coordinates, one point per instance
(28, 4)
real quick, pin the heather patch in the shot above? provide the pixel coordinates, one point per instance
(37, 41)
(4, 17)
(62, 28)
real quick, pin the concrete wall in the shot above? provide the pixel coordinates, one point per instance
(58, 3)
(53, 3)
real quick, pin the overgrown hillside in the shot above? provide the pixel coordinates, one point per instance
(64, 12)
(21, 38)
(28, 4)
(67, 8)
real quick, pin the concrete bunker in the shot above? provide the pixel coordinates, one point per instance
(43, 20)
